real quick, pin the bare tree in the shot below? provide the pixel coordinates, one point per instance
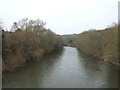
(14, 27)
(25, 24)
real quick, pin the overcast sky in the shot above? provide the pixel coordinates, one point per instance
(62, 16)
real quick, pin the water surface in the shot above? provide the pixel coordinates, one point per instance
(68, 68)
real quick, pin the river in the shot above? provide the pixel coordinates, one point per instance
(68, 68)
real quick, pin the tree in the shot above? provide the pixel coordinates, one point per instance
(30, 44)
(26, 24)
(14, 26)
(100, 43)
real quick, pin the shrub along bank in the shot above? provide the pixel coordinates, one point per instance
(29, 42)
(100, 43)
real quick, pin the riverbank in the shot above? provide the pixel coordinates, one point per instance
(106, 59)
(27, 44)
(102, 44)
(14, 65)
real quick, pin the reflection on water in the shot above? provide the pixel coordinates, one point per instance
(68, 68)
(102, 74)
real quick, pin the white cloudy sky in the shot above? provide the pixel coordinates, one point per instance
(62, 16)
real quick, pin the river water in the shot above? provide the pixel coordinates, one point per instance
(68, 68)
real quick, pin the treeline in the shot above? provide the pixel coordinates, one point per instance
(70, 39)
(28, 41)
(102, 44)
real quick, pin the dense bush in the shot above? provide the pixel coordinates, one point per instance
(29, 42)
(100, 43)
